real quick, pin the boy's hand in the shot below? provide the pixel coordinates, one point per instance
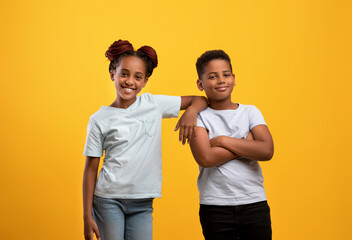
(250, 136)
(90, 227)
(216, 142)
(187, 125)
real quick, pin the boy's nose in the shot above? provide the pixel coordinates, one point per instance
(221, 80)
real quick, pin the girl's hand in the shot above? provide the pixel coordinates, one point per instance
(187, 125)
(90, 227)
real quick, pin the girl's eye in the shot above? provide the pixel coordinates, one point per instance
(138, 77)
(123, 74)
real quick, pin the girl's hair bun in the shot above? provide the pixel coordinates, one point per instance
(151, 53)
(121, 48)
(117, 48)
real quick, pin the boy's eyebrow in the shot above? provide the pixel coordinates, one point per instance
(212, 73)
(217, 73)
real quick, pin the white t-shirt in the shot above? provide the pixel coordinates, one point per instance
(239, 181)
(131, 139)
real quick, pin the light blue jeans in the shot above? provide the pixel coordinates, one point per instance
(119, 219)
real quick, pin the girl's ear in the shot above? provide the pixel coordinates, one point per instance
(112, 74)
(200, 85)
(145, 81)
(234, 79)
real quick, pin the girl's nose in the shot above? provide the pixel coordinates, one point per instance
(128, 82)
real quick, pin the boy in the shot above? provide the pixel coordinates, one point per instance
(230, 140)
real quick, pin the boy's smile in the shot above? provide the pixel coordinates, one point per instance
(217, 81)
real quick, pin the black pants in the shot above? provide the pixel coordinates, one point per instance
(244, 222)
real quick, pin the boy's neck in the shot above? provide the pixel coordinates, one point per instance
(222, 105)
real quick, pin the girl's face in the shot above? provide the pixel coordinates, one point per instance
(129, 77)
(217, 80)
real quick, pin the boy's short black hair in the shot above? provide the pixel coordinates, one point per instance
(206, 57)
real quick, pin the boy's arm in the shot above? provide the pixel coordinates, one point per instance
(188, 121)
(261, 148)
(89, 179)
(205, 155)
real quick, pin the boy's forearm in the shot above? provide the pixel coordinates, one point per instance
(252, 149)
(204, 154)
(213, 157)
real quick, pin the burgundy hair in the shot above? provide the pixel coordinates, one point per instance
(120, 49)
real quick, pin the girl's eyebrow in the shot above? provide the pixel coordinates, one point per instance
(125, 69)
(140, 73)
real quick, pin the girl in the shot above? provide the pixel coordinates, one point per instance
(230, 140)
(119, 204)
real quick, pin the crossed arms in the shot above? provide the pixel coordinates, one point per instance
(209, 153)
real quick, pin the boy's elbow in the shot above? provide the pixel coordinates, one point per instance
(205, 165)
(268, 155)
(204, 162)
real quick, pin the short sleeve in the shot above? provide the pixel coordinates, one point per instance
(255, 117)
(200, 122)
(168, 105)
(94, 141)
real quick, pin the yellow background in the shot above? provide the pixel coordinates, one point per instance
(292, 59)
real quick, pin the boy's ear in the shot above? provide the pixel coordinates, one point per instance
(234, 79)
(112, 74)
(200, 85)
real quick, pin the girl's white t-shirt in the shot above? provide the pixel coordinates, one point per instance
(239, 181)
(131, 140)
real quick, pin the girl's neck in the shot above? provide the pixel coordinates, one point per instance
(123, 103)
(223, 105)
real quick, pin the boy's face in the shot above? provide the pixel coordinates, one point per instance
(217, 80)
(129, 77)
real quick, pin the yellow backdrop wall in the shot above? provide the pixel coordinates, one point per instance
(292, 59)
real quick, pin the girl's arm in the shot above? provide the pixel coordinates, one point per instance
(89, 179)
(205, 155)
(261, 148)
(188, 121)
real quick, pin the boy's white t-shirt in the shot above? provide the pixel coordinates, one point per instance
(131, 139)
(239, 181)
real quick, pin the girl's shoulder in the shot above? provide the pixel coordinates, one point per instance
(159, 99)
(104, 113)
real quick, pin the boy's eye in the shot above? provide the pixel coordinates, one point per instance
(212, 77)
(226, 75)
